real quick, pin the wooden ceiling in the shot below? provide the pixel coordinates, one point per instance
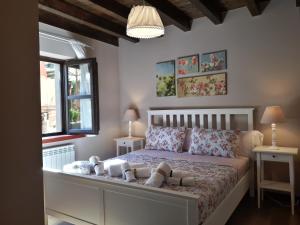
(105, 20)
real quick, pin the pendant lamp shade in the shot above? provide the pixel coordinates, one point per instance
(144, 22)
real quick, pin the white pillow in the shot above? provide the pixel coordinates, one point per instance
(249, 140)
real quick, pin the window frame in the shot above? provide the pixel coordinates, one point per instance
(64, 96)
(61, 63)
(94, 92)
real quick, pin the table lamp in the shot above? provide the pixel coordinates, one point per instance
(130, 116)
(273, 115)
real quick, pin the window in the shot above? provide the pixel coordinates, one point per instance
(82, 96)
(69, 96)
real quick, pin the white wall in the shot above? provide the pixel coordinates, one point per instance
(109, 102)
(263, 66)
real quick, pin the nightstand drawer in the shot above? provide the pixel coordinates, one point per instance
(124, 143)
(275, 157)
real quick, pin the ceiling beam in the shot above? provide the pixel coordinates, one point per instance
(253, 7)
(74, 11)
(209, 9)
(256, 7)
(172, 14)
(59, 21)
(113, 7)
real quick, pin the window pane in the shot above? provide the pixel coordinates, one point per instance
(79, 78)
(80, 114)
(50, 79)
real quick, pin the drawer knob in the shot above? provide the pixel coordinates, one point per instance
(273, 156)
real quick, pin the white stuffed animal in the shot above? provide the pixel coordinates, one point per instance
(97, 165)
(94, 159)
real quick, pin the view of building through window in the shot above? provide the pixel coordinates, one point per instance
(50, 78)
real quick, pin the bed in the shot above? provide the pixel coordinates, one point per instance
(221, 182)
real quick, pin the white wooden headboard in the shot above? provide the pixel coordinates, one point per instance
(219, 118)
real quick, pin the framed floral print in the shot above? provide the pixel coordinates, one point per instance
(188, 65)
(207, 85)
(165, 79)
(214, 61)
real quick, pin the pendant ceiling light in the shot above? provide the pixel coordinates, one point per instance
(144, 22)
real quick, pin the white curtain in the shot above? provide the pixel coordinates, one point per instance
(85, 85)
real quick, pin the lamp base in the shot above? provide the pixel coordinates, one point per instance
(274, 137)
(129, 129)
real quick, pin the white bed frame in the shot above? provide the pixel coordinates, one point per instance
(86, 201)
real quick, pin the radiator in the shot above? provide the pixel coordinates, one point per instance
(58, 156)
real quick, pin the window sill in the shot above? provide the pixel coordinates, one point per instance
(47, 140)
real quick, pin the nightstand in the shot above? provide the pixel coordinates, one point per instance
(130, 143)
(279, 154)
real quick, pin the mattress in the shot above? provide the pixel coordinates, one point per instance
(240, 163)
(215, 176)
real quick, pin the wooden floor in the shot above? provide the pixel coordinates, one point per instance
(274, 211)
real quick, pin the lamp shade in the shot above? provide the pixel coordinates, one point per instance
(272, 114)
(144, 22)
(130, 115)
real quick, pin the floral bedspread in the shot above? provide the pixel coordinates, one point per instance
(213, 181)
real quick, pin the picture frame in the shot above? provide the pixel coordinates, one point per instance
(213, 61)
(187, 65)
(165, 79)
(202, 85)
